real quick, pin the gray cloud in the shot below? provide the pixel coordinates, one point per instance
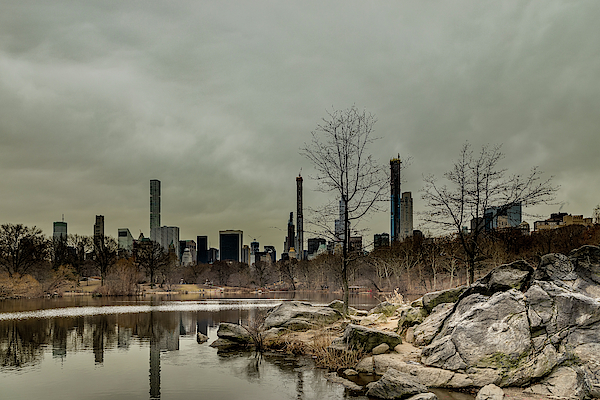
(215, 99)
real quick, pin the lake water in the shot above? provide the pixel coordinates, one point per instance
(84, 348)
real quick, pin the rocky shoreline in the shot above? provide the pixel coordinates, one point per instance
(535, 329)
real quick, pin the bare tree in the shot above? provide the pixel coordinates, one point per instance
(339, 151)
(477, 184)
(21, 248)
(152, 258)
(104, 253)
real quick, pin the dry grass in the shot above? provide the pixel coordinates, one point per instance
(317, 345)
(19, 286)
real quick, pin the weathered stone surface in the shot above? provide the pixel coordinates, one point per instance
(490, 392)
(381, 349)
(348, 384)
(373, 319)
(428, 376)
(424, 396)
(386, 308)
(295, 315)
(555, 267)
(234, 333)
(411, 316)
(564, 382)
(395, 385)
(515, 275)
(491, 332)
(338, 305)
(537, 366)
(350, 372)
(356, 337)
(484, 376)
(201, 338)
(424, 333)
(433, 299)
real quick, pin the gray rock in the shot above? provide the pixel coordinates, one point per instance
(433, 299)
(201, 338)
(335, 378)
(338, 305)
(515, 275)
(395, 385)
(295, 315)
(564, 382)
(350, 372)
(424, 333)
(555, 267)
(428, 376)
(381, 349)
(424, 396)
(490, 392)
(386, 308)
(491, 332)
(411, 316)
(356, 337)
(234, 333)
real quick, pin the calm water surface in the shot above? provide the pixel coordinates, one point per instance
(83, 348)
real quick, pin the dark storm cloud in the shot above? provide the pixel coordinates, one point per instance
(215, 98)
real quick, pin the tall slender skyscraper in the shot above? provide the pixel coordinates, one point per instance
(395, 165)
(154, 206)
(299, 219)
(406, 218)
(291, 235)
(99, 227)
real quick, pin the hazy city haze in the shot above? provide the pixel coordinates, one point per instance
(214, 99)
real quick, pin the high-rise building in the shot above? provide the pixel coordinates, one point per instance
(59, 231)
(246, 254)
(406, 215)
(340, 232)
(154, 206)
(168, 238)
(270, 250)
(507, 216)
(299, 219)
(230, 245)
(213, 255)
(99, 227)
(125, 240)
(395, 228)
(313, 245)
(381, 240)
(291, 236)
(191, 246)
(202, 249)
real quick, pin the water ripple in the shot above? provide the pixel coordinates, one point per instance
(209, 306)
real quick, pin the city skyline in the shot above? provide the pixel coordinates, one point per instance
(215, 101)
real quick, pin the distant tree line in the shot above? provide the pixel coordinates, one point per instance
(33, 265)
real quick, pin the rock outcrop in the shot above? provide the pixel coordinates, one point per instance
(299, 316)
(232, 336)
(523, 327)
(360, 337)
(395, 385)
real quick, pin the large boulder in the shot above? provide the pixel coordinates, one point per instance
(232, 336)
(386, 308)
(395, 385)
(424, 333)
(490, 392)
(491, 332)
(515, 275)
(433, 299)
(360, 337)
(410, 316)
(338, 305)
(296, 315)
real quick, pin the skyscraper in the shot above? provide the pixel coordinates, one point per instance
(291, 236)
(154, 206)
(167, 236)
(299, 219)
(202, 249)
(339, 230)
(99, 227)
(125, 240)
(230, 245)
(60, 231)
(406, 215)
(395, 165)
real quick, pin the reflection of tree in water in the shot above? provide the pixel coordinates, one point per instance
(21, 342)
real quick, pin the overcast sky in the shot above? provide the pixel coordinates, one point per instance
(215, 98)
